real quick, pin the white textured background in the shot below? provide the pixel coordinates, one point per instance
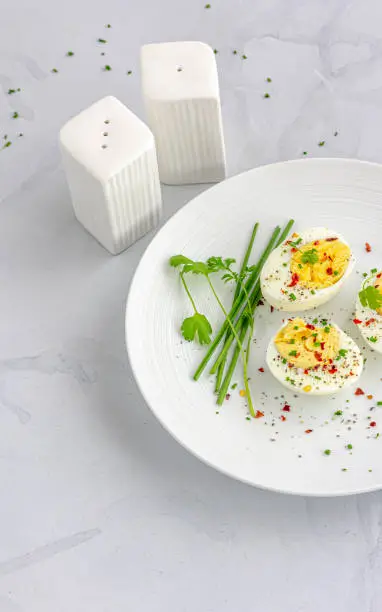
(100, 509)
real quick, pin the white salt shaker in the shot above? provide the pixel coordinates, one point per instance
(181, 95)
(111, 167)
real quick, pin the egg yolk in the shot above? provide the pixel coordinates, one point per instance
(378, 285)
(320, 264)
(306, 346)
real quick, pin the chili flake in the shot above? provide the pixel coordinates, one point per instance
(329, 271)
(295, 279)
(261, 369)
(357, 321)
(286, 408)
(283, 418)
(259, 414)
(308, 431)
(367, 247)
(359, 391)
(369, 322)
(373, 424)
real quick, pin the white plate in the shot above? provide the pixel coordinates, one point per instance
(342, 194)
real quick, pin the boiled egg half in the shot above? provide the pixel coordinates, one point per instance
(306, 270)
(368, 315)
(314, 357)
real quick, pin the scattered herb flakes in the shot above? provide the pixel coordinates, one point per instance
(108, 25)
(305, 152)
(102, 40)
(248, 418)
(267, 95)
(129, 72)
(216, 51)
(54, 70)
(338, 413)
(15, 115)
(349, 446)
(310, 256)
(234, 51)
(234, 386)
(344, 470)
(369, 470)
(107, 68)
(327, 451)
(268, 80)
(379, 403)
(244, 57)
(69, 54)
(207, 6)
(7, 144)
(321, 143)
(373, 339)
(12, 91)
(5, 136)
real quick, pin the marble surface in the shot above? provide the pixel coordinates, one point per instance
(100, 509)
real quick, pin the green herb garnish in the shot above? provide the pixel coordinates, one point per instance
(54, 70)
(321, 143)
(373, 271)
(349, 446)
(373, 339)
(370, 297)
(310, 256)
(70, 54)
(342, 352)
(268, 80)
(15, 115)
(244, 57)
(107, 67)
(293, 353)
(327, 329)
(267, 95)
(338, 413)
(292, 297)
(327, 451)
(102, 40)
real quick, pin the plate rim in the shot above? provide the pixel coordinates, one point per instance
(137, 377)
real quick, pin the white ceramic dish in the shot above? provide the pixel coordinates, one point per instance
(269, 452)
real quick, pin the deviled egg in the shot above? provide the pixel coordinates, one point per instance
(314, 357)
(306, 270)
(368, 315)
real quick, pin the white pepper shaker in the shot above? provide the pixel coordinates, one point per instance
(181, 95)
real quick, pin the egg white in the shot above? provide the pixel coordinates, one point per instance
(364, 314)
(328, 383)
(276, 277)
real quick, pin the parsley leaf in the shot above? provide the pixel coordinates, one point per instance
(370, 297)
(310, 256)
(197, 324)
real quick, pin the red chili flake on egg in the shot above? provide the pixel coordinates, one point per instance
(306, 372)
(369, 322)
(316, 242)
(322, 345)
(329, 271)
(333, 370)
(286, 408)
(379, 275)
(283, 418)
(259, 414)
(294, 281)
(309, 326)
(373, 424)
(357, 321)
(359, 391)
(293, 250)
(308, 430)
(318, 356)
(367, 247)
(331, 239)
(261, 369)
